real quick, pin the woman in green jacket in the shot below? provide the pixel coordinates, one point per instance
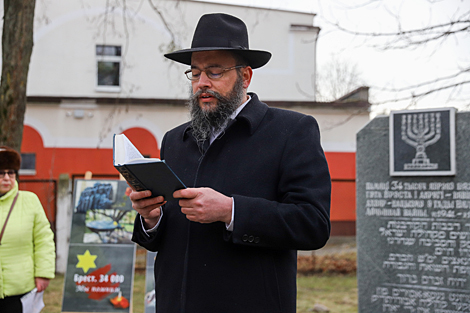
(27, 250)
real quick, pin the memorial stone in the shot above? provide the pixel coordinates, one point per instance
(413, 231)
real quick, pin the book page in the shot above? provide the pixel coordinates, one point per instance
(143, 160)
(124, 150)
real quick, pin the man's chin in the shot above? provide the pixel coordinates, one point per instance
(208, 106)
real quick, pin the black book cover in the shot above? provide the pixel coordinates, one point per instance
(148, 174)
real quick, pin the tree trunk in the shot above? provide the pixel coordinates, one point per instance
(17, 45)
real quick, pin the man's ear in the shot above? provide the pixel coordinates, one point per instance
(247, 74)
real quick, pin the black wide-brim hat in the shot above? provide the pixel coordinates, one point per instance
(220, 31)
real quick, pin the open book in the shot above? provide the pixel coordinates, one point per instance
(144, 173)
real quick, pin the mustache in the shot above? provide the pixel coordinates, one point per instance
(213, 93)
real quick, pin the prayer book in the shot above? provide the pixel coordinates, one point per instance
(144, 173)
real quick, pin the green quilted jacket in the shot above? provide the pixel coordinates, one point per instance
(27, 249)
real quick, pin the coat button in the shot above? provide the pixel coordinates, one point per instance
(245, 238)
(251, 239)
(256, 239)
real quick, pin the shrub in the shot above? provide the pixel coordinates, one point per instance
(344, 263)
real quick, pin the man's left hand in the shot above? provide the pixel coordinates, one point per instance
(204, 205)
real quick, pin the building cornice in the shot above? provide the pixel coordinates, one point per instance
(32, 100)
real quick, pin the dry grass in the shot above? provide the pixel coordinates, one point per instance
(338, 292)
(53, 295)
(342, 263)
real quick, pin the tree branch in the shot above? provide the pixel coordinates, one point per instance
(165, 23)
(425, 93)
(467, 70)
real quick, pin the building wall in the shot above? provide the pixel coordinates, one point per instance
(63, 62)
(70, 130)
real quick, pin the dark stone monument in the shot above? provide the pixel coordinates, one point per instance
(413, 212)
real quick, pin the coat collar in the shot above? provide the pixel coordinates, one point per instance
(253, 113)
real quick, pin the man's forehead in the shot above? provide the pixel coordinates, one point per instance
(212, 58)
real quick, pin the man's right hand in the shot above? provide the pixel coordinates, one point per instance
(148, 208)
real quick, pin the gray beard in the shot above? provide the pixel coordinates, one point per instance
(207, 122)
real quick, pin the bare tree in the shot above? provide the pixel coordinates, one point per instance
(336, 78)
(17, 46)
(432, 33)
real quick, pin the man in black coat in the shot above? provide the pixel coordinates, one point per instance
(258, 188)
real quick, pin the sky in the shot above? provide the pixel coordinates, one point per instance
(385, 70)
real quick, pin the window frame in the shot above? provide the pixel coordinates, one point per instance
(108, 58)
(28, 171)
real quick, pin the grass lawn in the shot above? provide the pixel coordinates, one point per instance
(337, 292)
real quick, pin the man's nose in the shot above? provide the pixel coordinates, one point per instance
(204, 81)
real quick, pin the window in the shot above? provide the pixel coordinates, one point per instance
(108, 67)
(28, 164)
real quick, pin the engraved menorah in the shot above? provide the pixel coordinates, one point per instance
(420, 131)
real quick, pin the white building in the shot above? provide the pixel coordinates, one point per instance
(97, 70)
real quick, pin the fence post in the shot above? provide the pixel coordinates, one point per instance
(64, 220)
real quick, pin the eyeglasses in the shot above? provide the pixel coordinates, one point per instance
(11, 173)
(213, 72)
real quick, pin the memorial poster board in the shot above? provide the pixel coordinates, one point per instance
(100, 266)
(413, 231)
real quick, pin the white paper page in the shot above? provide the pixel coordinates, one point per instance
(124, 150)
(33, 301)
(144, 160)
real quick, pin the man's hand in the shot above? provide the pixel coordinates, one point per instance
(148, 208)
(41, 283)
(204, 205)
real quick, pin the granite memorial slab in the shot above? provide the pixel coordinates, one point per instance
(413, 212)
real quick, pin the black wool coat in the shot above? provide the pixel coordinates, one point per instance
(271, 162)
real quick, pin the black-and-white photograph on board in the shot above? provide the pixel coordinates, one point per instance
(422, 142)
